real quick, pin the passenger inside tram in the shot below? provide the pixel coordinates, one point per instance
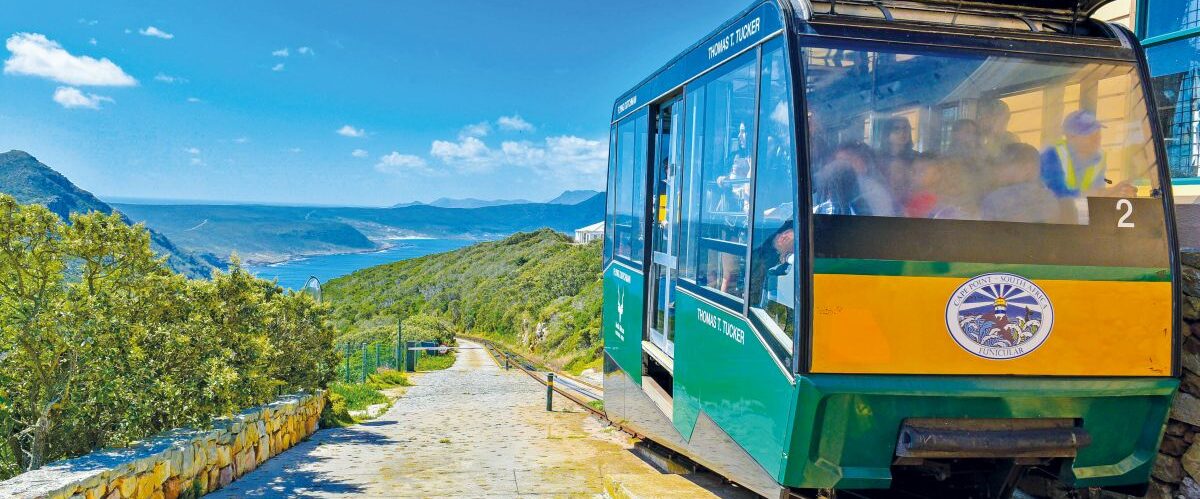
(974, 137)
(1076, 166)
(896, 154)
(1020, 195)
(940, 189)
(851, 184)
(994, 119)
(966, 142)
(772, 276)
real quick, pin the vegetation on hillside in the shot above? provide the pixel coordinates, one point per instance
(101, 344)
(535, 291)
(30, 181)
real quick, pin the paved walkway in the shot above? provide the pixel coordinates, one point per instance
(469, 431)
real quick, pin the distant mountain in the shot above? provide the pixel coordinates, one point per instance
(464, 203)
(262, 234)
(574, 197)
(30, 181)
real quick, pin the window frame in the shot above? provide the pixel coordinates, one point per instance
(610, 201)
(636, 260)
(751, 55)
(783, 347)
(868, 37)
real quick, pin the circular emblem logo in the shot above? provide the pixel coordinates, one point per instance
(999, 316)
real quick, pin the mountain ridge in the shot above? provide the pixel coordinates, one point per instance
(30, 181)
(262, 234)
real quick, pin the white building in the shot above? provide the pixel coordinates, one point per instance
(593, 232)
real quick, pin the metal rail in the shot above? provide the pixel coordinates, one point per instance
(581, 396)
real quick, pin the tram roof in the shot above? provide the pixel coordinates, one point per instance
(699, 57)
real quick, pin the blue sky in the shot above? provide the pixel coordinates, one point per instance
(348, 103)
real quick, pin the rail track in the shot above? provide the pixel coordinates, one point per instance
(576, 390)
(584, 394)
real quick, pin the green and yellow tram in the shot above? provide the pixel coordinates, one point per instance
(862, 245)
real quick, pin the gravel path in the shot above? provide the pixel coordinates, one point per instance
(472, 430)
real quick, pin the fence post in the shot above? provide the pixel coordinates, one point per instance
(346, 347)
(364, 362)
(376, 356)
(399, 337)
(549, 392)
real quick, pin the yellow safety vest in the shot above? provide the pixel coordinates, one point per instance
(1069, 179)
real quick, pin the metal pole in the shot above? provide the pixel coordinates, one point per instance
(399, 338)
(376, 357)
(549, 392)
(364, 363)
(346, 347)
(505, 362)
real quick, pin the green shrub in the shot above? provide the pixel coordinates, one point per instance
(335, 414)
(388, 378)
(434, 362)
(358, 396)
(102, 345)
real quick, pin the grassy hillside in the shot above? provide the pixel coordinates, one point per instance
(535, 291)
(30, 181)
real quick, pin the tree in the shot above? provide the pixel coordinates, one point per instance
(101, 344)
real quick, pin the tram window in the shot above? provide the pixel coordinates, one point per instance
(725, 169)
(629, 184)
(610, 198)
(642, 130)
(689, 174)
(773, 260)
(1030, 139)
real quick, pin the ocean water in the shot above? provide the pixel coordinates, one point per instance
(292, 274)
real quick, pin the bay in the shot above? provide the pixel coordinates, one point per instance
(292, 274)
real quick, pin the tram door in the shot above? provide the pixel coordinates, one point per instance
(663, 270)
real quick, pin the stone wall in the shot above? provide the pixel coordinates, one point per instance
(1177, 470)
(181, 463)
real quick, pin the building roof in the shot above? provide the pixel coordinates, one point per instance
(596, 227)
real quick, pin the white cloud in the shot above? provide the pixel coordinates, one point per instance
(191, 150)
(166, 78)
(71, 97)
(283, 52)
(92, 41)
(468, 154)
(514, 123)
(35, 55)
(481, 129)
(295, 150)
(88, 22)
(155, 32)
(305, 51)
(399, 164)
(196, 162)
(349, 131)
(128, 31)
(277, 67)
(194, 100)
(241, 140)
(564, 156)
(359, 153)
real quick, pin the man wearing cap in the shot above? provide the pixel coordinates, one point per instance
(1074, 166)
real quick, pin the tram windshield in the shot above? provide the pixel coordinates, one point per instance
(937, 134)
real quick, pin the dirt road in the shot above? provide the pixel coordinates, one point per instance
(469, 431)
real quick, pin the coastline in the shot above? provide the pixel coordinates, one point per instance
(383, 246)
(249, 262)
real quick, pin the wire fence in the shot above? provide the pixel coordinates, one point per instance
(360, 360)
